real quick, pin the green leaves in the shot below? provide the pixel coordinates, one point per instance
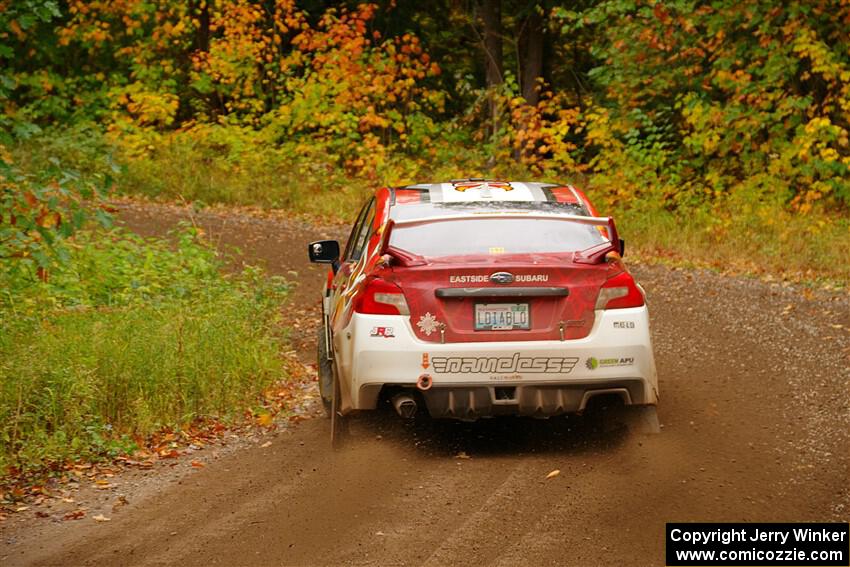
(724, 89)
(39, 211)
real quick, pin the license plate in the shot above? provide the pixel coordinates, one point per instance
(501, 316)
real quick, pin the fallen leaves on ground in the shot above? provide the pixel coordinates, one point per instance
(553, 474)
(121, 501)
(265, 419)
(286, 402)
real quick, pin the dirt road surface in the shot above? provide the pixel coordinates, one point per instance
(755, 409)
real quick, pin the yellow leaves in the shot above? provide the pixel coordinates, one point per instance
(817, 123)
(808, 45)
(829, 154)
(816, 142)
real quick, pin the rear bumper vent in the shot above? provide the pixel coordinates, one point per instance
(473, 402)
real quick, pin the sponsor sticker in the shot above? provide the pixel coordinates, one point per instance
(386, 332)
(428, 324)
(483, 185)
(592, 363)
(624, 324)
(519, 278)
(532, 278)
(506, 377)
(468, 279)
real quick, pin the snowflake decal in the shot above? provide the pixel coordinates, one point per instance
(428, 324)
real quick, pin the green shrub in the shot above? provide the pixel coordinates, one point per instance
(127, 337)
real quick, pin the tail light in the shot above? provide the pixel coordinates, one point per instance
(381, 297)
(619, 292)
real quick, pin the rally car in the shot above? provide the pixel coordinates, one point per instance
(478, 298)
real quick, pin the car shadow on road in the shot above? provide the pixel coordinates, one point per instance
(498, 436)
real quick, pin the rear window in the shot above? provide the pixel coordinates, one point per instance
(467, 236)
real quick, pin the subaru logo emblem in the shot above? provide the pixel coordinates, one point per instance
(502, 278)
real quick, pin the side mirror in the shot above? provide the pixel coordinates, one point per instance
(324, 251)
(622, 247)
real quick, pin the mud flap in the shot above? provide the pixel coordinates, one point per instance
(324, 367)
(339, 423)
(640, 419)
(644, 420)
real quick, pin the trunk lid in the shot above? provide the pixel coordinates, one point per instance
(528, 297)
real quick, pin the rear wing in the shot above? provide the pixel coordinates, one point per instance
(596, 254)
(593, 255)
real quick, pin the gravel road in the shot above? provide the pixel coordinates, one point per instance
(755, 410)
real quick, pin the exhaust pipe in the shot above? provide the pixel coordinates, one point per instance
(425, 382)
(404, 405)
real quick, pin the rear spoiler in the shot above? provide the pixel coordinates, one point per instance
(592, 255)
(596, 254)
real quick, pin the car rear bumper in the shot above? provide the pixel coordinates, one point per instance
(472, 380)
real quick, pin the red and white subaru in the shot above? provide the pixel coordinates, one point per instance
(478, 298)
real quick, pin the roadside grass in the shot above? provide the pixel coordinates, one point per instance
(809, 249)
(128, 337)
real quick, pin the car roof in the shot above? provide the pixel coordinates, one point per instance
(468, 196)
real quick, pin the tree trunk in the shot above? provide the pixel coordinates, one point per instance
(202, 34)
(531, 52)
(491, 19)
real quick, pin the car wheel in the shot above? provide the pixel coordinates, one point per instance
(326, 374)
(339, 423)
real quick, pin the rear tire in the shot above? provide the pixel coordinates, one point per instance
(339, 423)
(324, 367)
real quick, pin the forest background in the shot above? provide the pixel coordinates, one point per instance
(717, 131)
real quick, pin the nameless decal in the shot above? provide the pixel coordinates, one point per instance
(503, 364)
